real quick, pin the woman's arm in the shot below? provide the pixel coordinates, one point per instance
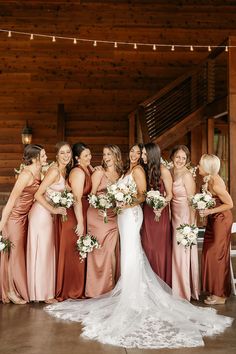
(168, 182)
(22, 181)
(140, 180)
(51, 177)
(220, 190)
(77, 179)
(96, 180)
(190, 187)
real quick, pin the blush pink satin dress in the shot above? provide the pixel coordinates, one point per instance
(185, 273)
(103, 263)
(41, 268)
(13, 265)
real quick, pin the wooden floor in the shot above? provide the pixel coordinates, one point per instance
(27, 329)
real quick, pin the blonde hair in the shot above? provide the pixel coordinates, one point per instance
(210, 163)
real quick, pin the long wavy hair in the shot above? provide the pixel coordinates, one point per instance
(59, 145)
(177, 148)
(115, 150)
(153, 170)
(140, 161)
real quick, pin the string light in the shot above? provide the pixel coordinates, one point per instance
(115, 44)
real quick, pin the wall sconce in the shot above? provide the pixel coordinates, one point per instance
(26, 134)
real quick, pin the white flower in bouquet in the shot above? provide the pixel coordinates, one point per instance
(121, 194)
(5, 244)
(187, 235)
(202, 201)
(63, 199)
(156, 201)
(101, 202)
(86, 244)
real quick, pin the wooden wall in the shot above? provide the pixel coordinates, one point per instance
(100, 85)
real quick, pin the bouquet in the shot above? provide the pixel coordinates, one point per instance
(187, 235)
(86, 244)
(101, 202)
(202, 201)
(156, 201)
(121, 194)
(61, 199)
(5, 244)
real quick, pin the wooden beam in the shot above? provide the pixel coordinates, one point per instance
(143, 124)
(61, 122)
(232, 119)
(132, 129)
(210, 135)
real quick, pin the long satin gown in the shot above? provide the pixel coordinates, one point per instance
(102, 263)
(140, 311)
(216, 253)
(13, 265)
(41, 270)
(185, 273)
(157, 241)
(70, 282)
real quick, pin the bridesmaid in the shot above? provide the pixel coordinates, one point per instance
(71, 272)
(216, 246)
(185, 276)
(14, 224)
(41, 270)
(102, 263)
(156, 235)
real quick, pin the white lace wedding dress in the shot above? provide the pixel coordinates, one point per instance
(140, 311)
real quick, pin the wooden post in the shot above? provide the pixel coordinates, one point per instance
(143, 124)
(232, 119)
(210, 135)
(132, 129)
(61, 117)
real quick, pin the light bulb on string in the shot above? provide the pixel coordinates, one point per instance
(226, 49)
(172, 48)
(135, 46)
(75, 41)
(31, 36)
(191, 48)
(53, 39)
(115, 45)
(209, 48)
(154, 47)
(95, 43)
(9, 34)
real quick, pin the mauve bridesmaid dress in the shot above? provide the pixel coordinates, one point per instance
(157, 241)
(185, 274)
(41, 272)
(102, 263)
(13, 265)
(216, 253)
(71, 272)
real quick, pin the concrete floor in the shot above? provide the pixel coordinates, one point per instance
(27, 329)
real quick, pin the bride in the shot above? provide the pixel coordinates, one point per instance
(140, 311)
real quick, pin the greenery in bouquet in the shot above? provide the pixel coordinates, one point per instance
(86, 244)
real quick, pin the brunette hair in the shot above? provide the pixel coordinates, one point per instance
(31, 151)
(177, 148)
(153, 171)
(77, 150)
(140, 161)
(115, 150)
(58, 147)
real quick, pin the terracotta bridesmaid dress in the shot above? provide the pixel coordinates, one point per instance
(103, 263)
(216, 253)
(185, 274)
(71, 272)
(13, 265)
(41, 271)
(157, 241)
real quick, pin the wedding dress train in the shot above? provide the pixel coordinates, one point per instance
(140, 311)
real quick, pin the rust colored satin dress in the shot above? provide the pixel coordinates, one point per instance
(156, 240)
(70, 282)
(13, 266)
(216, 253)
(103, 263)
